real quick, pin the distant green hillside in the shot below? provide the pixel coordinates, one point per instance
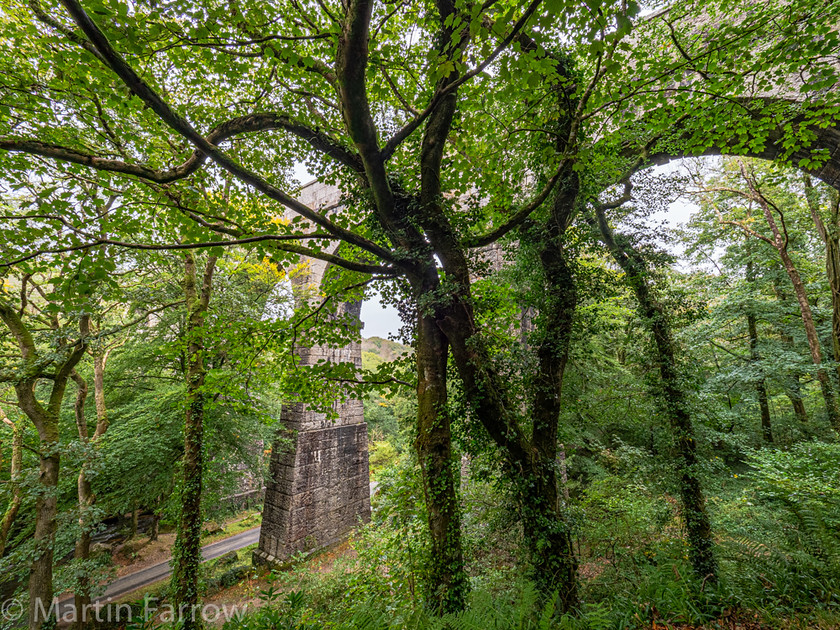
(383, 349)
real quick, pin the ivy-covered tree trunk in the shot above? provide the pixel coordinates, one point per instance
(697, 523)
(187, 552)
(546, 527)
(15, 466)
(447, 580)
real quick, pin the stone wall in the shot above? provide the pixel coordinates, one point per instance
(319, 488)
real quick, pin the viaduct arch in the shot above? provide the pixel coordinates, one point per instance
(318, 489)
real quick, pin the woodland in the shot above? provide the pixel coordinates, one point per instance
(590, 418)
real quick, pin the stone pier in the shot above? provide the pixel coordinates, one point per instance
(319, 488)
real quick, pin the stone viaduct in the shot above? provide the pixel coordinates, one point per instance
(319, 488)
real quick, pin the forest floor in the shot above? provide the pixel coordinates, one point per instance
(245, 595)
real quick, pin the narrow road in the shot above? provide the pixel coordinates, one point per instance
(162, 570)
(157, 572)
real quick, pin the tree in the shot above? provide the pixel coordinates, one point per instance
(51, 358)
(779, 239)
(340, 79)
(14, 479)
(187, 553)
(693, 502)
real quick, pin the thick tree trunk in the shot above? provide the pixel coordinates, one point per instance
(447, 580)
(187, 552)
(16, 465)
(697, 523)
(188, 544)
(546, 528)
(46, 510)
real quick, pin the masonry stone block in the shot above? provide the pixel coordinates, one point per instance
(318, 488)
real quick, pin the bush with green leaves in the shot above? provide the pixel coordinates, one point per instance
(783, 542)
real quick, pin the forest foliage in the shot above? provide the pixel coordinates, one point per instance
(602, 422)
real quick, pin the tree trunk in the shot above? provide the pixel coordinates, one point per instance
(794, 393)
(830, 235)
(81, 553)
(546, 527)
(760, 384)
(447, 580)
(155, 531)
(697, 522)
(755, 358)
(46, 510)
(17, 492)
(187, 552)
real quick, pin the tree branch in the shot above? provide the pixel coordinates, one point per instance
(179, 124)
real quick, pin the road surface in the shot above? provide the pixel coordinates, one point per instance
(157, 572)
(162, 570)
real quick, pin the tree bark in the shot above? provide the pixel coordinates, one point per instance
(780, 243)
(830, 235)
(187, 552)
(755, 358)
(546, 526)
(46, 510)
(16, 465)
(447, 580)
(696, 517)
